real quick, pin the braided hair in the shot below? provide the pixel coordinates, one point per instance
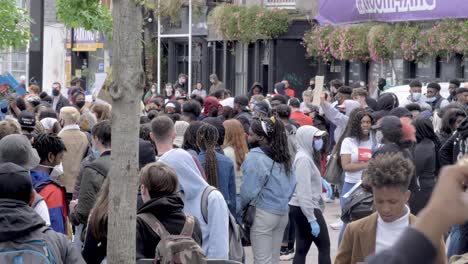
(274, 131)
(48, 143)
(207, 138)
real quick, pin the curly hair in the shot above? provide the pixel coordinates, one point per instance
(277, 139)
(48, 143)
(389, 170)
(207, 137)
(355, 123)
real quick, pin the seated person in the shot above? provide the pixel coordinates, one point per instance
(389, 176)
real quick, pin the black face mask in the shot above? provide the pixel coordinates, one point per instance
(312, 86)
(55, 92)
(80, 104)
(453, 93)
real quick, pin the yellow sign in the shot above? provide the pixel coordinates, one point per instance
(86, 46)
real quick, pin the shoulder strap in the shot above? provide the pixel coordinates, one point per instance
(204, 202)
(155, 225)
(187, 230)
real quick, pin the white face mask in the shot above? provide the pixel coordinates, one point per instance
(57, 171)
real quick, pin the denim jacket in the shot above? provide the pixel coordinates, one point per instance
(278, 190)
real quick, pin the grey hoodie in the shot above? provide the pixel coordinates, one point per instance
(216, 233)
(308, 193)
(337, 118)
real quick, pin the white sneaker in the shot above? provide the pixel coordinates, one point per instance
(288, 256)
(336, 225)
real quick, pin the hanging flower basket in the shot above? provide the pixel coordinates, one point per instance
(379, 43)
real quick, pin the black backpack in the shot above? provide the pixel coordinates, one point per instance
(359, 205)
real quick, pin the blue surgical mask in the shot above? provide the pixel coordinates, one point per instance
(431, 100)
(318, 144)
(96, 153)
(416, 96)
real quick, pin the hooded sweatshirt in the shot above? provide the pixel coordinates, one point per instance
(280, 88)
(192, 185)
(308, 193)
(19, 222)
(337, 118)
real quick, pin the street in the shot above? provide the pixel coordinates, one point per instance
(332, 214)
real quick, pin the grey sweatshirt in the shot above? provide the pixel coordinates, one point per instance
(309, 180)
(338, 119)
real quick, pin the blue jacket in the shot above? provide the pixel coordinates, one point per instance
(226, 178)
(275, 195)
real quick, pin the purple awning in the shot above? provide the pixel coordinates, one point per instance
(355, 11)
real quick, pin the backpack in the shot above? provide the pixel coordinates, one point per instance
(236, 251)
(359, 205)
(30, 251)
(175, 249)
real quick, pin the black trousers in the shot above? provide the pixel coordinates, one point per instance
(304, 237)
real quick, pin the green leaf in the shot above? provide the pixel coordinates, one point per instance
(14, 21)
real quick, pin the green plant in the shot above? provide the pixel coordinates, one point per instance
(379, 42)
(171, 8)
(89, 14)
(316, 42)
(447, 37)
(14, 21)
(354, 45)
(248, 24)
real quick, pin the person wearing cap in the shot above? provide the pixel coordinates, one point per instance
(416, 96)
(306, 204)
(297, 115)
(242, 111)
(76, 143)
(462, 96)
(17, 149)
(19, 224)
(59, 100)
(261, 109)
(27, 121)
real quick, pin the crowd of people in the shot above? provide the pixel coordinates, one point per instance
(226, 172)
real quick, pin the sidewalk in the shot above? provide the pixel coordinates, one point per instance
(332, 214)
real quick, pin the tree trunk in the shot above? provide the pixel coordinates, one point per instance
(125, 90)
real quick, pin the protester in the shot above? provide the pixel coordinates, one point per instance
(192, 185)
(426, 163)
(297, 115)
(94, 174)
(59, 100)
(306, 204)
(76, 143)
(162, 134)
(51, 150)
(219, 169)
(199, 90)
(416, 96)
(261, 110)
(337, 118)
(453, 86)
(211, 107)
(268, 182)
(389, 176)
(360, 95)
(287, 89)
(256, 89)
(101, 111)
(283, 112)
(27, 122)
(434, 99)
(216, 84)
(19, 224)
(180, 127)
(280, 89)
(235, 148)
(451, 120)
(307, 97)
(180, 83)
(17, 149)
(190, 138)
(343, 93)
(311, 84)
(8, 127)
(242, 112)
(462, 97)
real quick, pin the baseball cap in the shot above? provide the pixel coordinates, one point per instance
(262, 107)
(243, 102)
(320, 133)
(388, 123)
(17, 149)
(27, 120)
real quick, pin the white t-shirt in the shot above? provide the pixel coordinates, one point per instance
(360, 152)
(42, 210)
(388, 233)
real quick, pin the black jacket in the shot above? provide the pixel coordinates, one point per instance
(19, 222)
(62, 102)
(168, 210)
(455, 146)
(245, 117)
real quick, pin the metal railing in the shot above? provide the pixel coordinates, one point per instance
(284, 4)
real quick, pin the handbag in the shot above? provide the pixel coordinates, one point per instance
(334, 170)
(248, 216)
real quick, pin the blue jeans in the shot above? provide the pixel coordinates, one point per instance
(346, 188)
(454, 241)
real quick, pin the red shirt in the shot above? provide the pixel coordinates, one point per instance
(289, 92)
(302, 119)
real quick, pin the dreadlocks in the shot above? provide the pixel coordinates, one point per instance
(274, 131)
(48, 143)
(207, 137)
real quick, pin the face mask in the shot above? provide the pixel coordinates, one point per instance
(312, 86)
(416, 96)
(431, 100)
(55, 92)
(96, 154)
(318, 144)
(379, 136)
(168, 92)
(80, 104)
(453, 93)
(56, 172)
